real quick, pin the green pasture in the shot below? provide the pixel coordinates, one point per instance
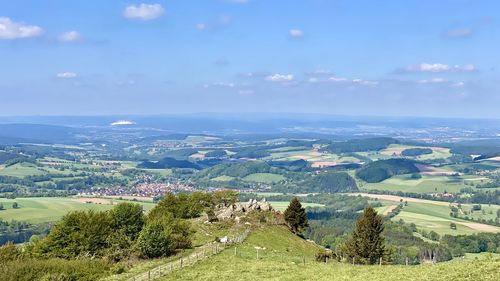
(435, 217)
(426, 184)
(48, 209)
(264, 177)
(283, 256)
(282, 205)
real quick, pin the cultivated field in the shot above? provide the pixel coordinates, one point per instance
(435, 215)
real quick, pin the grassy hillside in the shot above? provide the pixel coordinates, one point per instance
(282, 255)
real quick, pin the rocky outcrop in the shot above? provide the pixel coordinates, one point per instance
(237, 210)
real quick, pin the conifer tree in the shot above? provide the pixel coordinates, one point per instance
(366, 244)
(295, 216)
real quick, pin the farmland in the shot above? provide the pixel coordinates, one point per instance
(40, 210)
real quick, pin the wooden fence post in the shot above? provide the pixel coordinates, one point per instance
(149, 275)
(235, 251)
(406, 260)
(380, 261)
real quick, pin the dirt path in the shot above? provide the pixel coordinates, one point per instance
(389, 209)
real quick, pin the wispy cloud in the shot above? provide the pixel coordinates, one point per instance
(296, 33)
(437, 67)
(17, 30)
(67, 75)
(214, 24)
(144, 11)
(280, 77)
(461, 32)
(70, 36)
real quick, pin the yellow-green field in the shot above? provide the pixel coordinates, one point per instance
(48, 209)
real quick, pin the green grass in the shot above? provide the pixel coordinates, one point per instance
(282, 255)
(223, 178)
(426, 184)
(49, 209)
(282, 205)
(264, 177)
(434, 217)
(21, 170)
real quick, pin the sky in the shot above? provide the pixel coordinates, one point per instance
(435, 58)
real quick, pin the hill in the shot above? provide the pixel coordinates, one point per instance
(282, 256)
(383, 169)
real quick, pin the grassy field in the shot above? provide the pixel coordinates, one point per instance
(282, 256)
(48, 209)
(426, 184)
(435, 216)
(264, 177)
(281, 205)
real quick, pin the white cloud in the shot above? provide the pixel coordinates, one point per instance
(365, 82)
(70, 36)
(17, 30)
(459, 32)
(439, 67)
(280, 77)
(144, 11)
(433, 81)
(458, 84)
(337, 79)
(67, 75)
(296, 33)
(122, 123)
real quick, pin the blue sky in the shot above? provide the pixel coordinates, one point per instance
(346, 57)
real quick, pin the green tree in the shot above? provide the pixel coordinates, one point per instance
(79, 233)
(15, 205)
(295, 216)
(1, 206)
(161, 237)
(366, 245)
(128, 218)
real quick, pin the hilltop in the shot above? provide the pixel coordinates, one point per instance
(282, 256)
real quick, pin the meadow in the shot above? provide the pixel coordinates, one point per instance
(50, 209)
(283, 256)
(435, 216)
(425, 184)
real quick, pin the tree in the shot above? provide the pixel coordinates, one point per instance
(366, 245)
(162, 236)
(1, 206)
(128, 218)
(15, 205)
(453, 226)
(295, 216)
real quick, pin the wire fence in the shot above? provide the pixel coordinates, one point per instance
(201, 253)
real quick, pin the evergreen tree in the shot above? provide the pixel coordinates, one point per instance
(366, 244)
(295, 216)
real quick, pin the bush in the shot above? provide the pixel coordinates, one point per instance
(162, 236)
(322, 255)
(53, 269)
(9, 252)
